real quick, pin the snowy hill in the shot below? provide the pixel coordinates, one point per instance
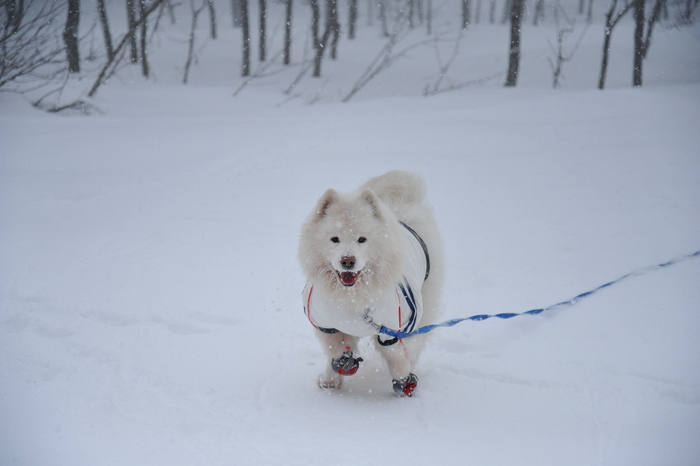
(150, 309)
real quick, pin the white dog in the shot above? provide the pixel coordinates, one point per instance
(372, 256)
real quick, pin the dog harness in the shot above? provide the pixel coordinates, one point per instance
(401, 307)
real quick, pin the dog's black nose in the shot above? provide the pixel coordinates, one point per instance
(348, 262)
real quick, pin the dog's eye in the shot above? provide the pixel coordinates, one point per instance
(361, 239)
(335, 239)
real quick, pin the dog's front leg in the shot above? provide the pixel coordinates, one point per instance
(397, 359)
(340, 348)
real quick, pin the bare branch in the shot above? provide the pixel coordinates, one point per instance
(112, 62)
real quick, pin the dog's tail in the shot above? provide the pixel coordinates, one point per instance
(398, 187)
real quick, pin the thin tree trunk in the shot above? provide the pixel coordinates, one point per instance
(102, 11)
(131, 21)
(429, 17)
(655, 16)
(288, 33)
(190, 48)
(638, 42)
(70, 36)
(263, 16)
(539, 12)
(144, 37)
(105, 71)
(212, 19)
(14, 17)
(315, 22)
(320, 43)
(466, 6)
(245, 27)
(333, 24)
(611, 20)
(352, 18)
(507, 11)
(606, 54)
(236, 13)
(516, 14)
(383, 18)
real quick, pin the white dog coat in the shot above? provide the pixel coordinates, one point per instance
(399, 309)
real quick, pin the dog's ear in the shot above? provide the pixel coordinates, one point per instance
(368, 197)
(329, 198)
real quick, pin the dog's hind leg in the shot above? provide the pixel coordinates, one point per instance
(339, 347)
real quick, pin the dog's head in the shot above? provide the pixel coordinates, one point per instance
(350, 242)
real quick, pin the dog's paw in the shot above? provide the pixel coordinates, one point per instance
(405, 386)
(327, 380)
(346, 364)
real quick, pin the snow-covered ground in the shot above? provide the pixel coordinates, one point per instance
(150, 309)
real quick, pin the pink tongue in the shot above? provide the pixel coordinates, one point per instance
(348, 278)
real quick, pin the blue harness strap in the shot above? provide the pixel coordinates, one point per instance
(568, 303)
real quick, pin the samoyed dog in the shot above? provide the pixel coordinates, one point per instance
(372, 258)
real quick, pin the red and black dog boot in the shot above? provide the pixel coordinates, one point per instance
(405, 386)
(346, 364)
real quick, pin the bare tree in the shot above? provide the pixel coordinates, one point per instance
(539, 12)
(507, 11)
(562, 57)
(352, 18)
(131, 22)
(70, 36)
(102, 11)
(383, 16)
(30, 44)
(429, 16)
(659, 7)
(333, 24)
(212, 19)
(386, 57)
(466, 7)
(642, 35)
(687, 11)
(14, 9)
(516, 16)
(612, 17)
(319, 43)
(190, 49)
(108, 67)
(638, 42)
(288, 33)
(237, 13)
(245, 27)
(144, 35)
(263, 16)
(331, 32)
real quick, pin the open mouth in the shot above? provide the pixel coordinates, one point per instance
(348, 278)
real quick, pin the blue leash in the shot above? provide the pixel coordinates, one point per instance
(570, 302)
